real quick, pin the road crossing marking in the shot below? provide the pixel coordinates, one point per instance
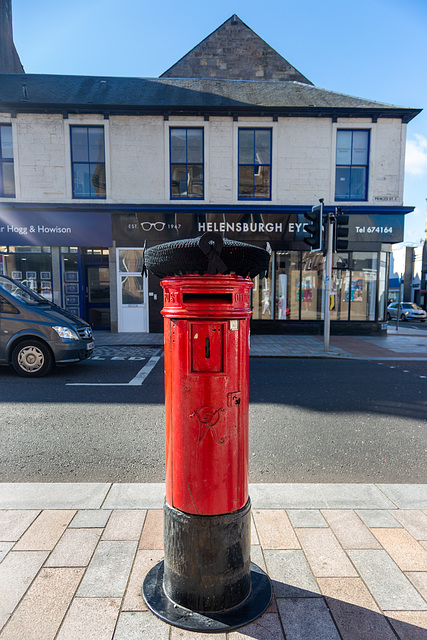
(136, 381)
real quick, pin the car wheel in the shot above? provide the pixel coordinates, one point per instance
(32, 359)
(423, 320)
(403, 317)
(388, 316)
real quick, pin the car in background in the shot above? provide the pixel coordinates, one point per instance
(406, 311)
(36, 334)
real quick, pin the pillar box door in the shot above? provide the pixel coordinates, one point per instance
(206, 380)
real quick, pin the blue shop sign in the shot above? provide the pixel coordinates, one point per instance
(54, 229)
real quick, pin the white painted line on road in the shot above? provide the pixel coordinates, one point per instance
(146, 369)
(136, 381)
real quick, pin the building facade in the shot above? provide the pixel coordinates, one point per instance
(92, 169)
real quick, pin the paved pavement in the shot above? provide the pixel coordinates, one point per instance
(404, 344)
(347, 561)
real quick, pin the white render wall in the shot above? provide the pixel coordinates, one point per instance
(137, 158)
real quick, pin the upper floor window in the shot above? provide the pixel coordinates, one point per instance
(351, 177)
(186, 162)
(7, 176)
(254, 164)
(88, 161)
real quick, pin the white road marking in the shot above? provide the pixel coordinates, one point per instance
(136, 381)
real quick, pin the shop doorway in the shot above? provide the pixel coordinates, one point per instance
(97, 295)
(132, 292)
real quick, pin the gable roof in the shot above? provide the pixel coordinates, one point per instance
(234, 51)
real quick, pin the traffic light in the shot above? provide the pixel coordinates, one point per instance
(315, 229)
(340, 231)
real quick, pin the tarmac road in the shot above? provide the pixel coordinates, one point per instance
(310, 421)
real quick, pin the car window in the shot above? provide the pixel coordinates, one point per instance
(405, 305)
(22, 293)
(6, 306)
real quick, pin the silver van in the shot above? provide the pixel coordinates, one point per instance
(35, 334)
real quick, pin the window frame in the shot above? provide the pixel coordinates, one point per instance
(254, 165)
(186, 163)
(4, 161)
(352, 165)
(89, 163)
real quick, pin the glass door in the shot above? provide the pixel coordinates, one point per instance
(132, 290)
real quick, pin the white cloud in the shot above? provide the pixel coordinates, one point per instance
(416, 156)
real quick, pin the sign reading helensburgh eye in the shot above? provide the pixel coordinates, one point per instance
(281, 230)
(53, 228)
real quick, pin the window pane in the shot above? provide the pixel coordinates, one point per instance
(132, 290)
(96, 144)
(358, 183)
(287, 285)
(246, 146)
(340, 285)
(130, 260)
(98, 180)
(8, 179)
(6, 142)
(344, 147)
(262, 146)
(79, 144)
(178, 145)
(81, 181)
(342, 183)
(262, 182)
(311, 286)
(360, 147)
(382, 301)
(261, 296)
(246, 182)
(194, 145)
(178, 180)
(363, 286)
(195, 180)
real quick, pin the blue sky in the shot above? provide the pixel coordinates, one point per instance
(370, 48)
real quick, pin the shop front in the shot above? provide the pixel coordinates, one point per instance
(90, 262)
(63, 255)
(289, 298)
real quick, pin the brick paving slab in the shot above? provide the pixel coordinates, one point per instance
(85, 580)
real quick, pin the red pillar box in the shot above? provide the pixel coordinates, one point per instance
(207, 582)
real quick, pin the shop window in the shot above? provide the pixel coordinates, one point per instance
(363, 290)
(382, 287)
(254, 181)
(7, 175)
(351, 176)
(287, 285)
(71, 283)
(340, 288)
(88, 161)
(186, 162)
(262, 296)
(34, 270)
(311, 285)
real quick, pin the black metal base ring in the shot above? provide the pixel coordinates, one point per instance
(213, 622)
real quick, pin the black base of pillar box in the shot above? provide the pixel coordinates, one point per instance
(207, 582)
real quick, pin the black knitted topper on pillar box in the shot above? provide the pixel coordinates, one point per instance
(208, 254)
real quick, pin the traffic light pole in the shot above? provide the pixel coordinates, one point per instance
(329, 258)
